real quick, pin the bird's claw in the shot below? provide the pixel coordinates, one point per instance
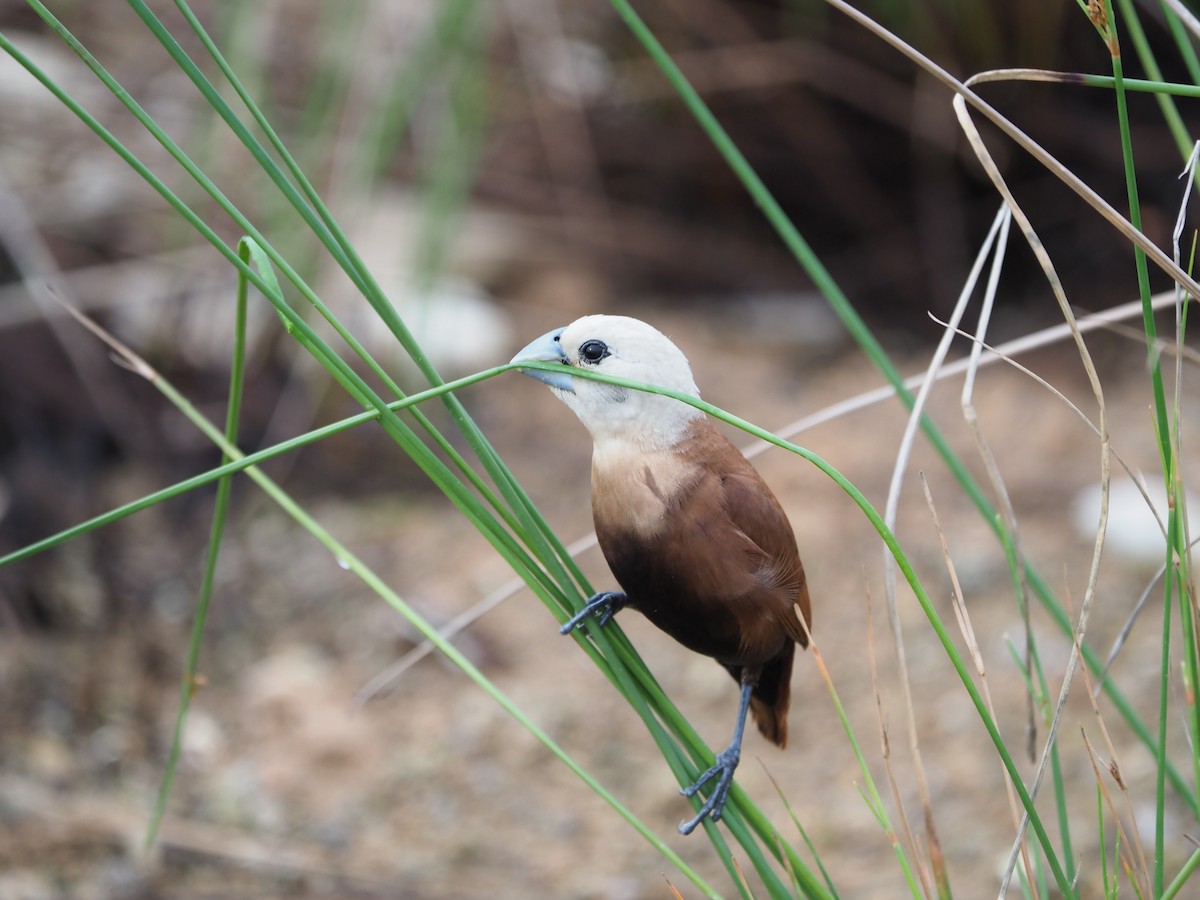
(714, 806)
(603, 605)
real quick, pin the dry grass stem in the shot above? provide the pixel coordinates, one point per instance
(1135, 478)
(1005, 352)
(1083, 417)
(742, 878)
(1051, 275)
(1004, 501)
(1132, 866)
(1179, 494)
(1114, 769)
(1127, 629)
(890, 512)
(1047, 76)
(1161, 346)
(968, 632)
(123, 355)
(937, 861)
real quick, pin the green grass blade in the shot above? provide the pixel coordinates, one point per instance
(1170, 112)
(804, 836)
(1139, 256)
(1140, 84)
(871, 793)
(238, 465)
(220, 516)
(1175, 527)
(1179, 881)
(1164, 693)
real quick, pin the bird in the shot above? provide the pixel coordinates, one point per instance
(693, 536)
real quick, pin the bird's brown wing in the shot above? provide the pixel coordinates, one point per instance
(754, 511)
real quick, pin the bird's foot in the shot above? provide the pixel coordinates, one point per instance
(603, 605)
(724, 767)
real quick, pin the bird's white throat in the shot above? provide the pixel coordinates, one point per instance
(620, 418)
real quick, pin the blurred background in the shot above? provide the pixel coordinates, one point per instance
(503, 167)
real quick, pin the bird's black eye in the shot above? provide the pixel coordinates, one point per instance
(593, 351)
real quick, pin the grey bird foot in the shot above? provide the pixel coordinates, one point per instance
(603, 605)
(725, 766)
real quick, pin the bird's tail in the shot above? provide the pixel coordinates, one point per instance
(772, 693)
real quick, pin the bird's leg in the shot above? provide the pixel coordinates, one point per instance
(725, 766)
(604, 605)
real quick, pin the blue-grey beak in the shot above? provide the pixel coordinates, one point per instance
(547, 348)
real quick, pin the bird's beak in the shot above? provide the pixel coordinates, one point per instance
(547, 348)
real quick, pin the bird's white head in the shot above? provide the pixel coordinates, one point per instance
(627, 348)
